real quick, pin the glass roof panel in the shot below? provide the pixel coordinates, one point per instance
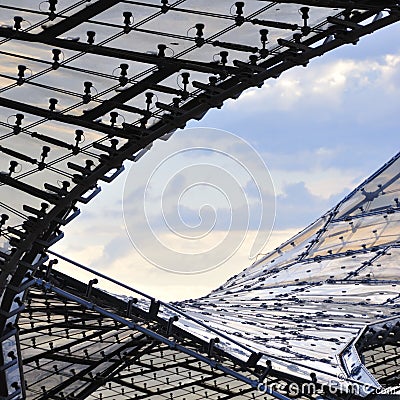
(87, 85)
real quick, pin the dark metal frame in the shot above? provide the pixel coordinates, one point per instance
(30, 244)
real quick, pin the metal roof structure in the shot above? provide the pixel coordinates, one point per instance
(87, 85)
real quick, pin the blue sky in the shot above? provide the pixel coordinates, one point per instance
(338, 117)
(320, 130)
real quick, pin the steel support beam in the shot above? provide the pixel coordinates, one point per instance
(67, 119)
(371, 5)
(78, 18)
(120, 54)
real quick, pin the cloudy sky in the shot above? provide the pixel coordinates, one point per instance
(320, 131)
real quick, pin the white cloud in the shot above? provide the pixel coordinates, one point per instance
(322, 83)
(320, 182)
(132, 269)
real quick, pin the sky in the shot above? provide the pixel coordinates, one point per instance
(320, 131)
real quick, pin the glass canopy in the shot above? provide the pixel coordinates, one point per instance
(86, 86)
